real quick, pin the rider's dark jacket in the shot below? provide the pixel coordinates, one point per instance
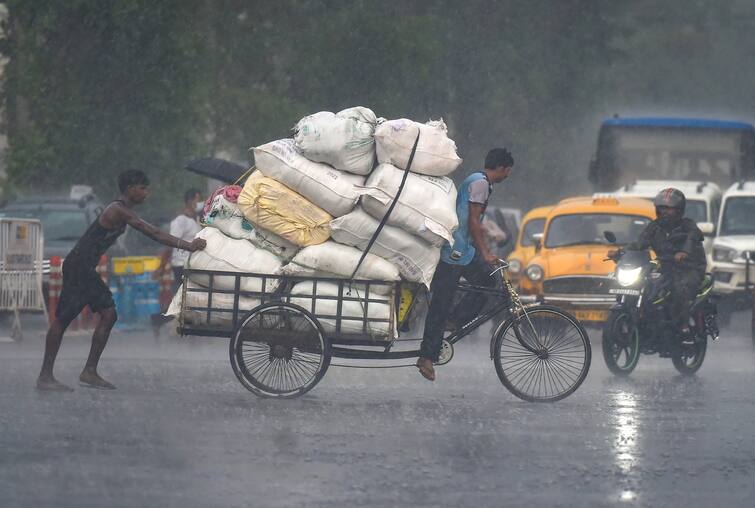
(685, 236)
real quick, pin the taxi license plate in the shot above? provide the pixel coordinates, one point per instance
(623, 291)
(591, 315)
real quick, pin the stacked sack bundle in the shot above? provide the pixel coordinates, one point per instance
(233, 245)
(424, 218)
(298, 214)
(301, 185)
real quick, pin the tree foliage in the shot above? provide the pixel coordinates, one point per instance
(94, 87)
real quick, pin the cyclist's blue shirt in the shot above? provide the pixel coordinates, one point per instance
(463, 251)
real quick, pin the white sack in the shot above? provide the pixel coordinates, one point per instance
(219, 301)
(344, 140)
(229, 219)
(230, 255)
(332, 190)
(436, 152)
(354, 309)
(415, 258)
(426, 206)
(332, 259)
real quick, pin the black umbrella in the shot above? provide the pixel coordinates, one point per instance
(219, 169)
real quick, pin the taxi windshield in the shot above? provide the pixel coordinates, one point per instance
(586, 229)
(532, 227)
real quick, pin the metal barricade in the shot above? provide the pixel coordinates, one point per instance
(21, 260)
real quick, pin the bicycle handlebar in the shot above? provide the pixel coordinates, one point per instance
(503, 265)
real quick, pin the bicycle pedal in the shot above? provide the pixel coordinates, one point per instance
(446, 353)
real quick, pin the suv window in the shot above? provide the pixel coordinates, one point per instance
(696, 210)
(737, 216)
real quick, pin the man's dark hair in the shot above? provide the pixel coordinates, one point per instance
(190, 193)
(131, 177)
(498, 157)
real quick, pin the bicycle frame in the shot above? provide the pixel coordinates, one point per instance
(343, 347)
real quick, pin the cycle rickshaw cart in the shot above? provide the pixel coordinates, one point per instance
(282, 337)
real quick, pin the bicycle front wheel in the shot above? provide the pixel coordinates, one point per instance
(542, 356)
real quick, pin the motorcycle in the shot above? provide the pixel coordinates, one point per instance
(640, 321)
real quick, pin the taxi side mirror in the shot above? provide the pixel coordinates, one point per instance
(707, 228)
(537, 239)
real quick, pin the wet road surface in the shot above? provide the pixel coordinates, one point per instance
(181, 431)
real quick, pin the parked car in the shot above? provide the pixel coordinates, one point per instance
(64, 220)
(703, 203)
(570, 268)
(533, 223)
(735, 242)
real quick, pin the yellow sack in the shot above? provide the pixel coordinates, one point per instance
(276, 208)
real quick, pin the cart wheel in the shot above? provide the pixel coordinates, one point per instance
(446, 353)
(279, 350)
(542, 357)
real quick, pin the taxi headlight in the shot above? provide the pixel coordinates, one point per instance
(724, 254)
(534, 273)
(628, 276)
(515, 266)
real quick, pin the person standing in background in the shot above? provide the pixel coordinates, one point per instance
(185, 226)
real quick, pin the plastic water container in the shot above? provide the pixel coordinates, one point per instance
(146, 296)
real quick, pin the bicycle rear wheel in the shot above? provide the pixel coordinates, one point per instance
(544, 358)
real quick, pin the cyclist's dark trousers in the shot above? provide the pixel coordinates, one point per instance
(684, 287)
(443, 288)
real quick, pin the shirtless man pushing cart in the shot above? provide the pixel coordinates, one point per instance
(83, 286)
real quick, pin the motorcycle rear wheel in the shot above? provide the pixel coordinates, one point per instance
(621, 343)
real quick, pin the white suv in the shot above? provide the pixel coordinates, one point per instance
(703, 203)
(735, 240)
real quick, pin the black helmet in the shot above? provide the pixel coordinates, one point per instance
(671, 197)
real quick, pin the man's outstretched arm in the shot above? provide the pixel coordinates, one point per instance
(124, 215)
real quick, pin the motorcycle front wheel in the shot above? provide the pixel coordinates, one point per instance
(621, 343)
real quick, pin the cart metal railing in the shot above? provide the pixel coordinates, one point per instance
(223, 321)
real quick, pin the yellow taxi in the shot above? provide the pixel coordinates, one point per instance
(524, 248)
(570, 269)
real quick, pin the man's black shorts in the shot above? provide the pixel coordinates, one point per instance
(82, 287)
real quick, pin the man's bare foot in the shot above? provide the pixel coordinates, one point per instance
(426, 368)
(93, 380)
(50, 384)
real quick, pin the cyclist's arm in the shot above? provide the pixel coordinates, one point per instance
(475, 229)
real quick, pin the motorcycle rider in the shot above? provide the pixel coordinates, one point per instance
(678, 244)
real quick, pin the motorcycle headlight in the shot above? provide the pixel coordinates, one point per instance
(515, 266)
(724, 254)
(534, 273)
(628, 276)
